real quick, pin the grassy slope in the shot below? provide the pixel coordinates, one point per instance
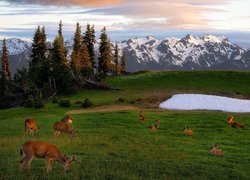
(115, 145)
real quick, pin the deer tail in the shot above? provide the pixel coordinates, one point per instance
(21, 152)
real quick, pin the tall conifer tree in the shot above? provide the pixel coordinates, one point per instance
(104, 66)
(61, 72)
(123, 63)
(37, 64)
(89, 40)
(5, 61)
(116, 60)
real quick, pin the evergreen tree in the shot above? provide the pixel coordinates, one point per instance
(5, 61)
(61, 35)
(105, 58)
(116, 60)
(75, 56)
(61, 72)
(89, 40)
(86, 68)
(123, 63)
(81, 63)
(37, 65)
(60, 29)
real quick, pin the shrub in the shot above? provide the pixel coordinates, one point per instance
(121, 99)
(87, 103)
(78, 102)
(65, 103)
(38, 103)
(55, 100)
(29, 103)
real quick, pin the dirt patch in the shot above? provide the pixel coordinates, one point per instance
(111, 108)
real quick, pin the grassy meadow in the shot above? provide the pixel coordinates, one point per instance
(113, 144)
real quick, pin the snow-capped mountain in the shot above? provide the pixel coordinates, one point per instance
(19, 52)
(190, 52)
(16, 45)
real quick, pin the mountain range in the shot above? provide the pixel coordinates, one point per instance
(149, 53)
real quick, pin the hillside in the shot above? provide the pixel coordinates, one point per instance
(113, 144)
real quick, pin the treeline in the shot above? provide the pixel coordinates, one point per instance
(50, 72)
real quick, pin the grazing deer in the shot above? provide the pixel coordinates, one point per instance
(230, 121)
(67, 119)
(41, 149)
(155, 126)
(30, 127)
(215, 151)
(141, 117)
(187, 131)
(62, 127)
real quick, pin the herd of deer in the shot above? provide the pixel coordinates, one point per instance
(50, 152)
(213, 149)
(45, 150)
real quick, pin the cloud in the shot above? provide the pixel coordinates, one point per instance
(84, 3)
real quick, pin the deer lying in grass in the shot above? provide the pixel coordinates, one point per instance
(62, 127)
(215, 151)
(155, 126)
(187, 131)
(141, 117)
(44, 150)
(67, 119)
(230, 121)
(30, 126)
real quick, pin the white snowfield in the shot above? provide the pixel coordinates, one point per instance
(206, 102)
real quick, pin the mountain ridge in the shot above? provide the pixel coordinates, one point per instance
(149, 53)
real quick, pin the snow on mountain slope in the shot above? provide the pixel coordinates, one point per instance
(16, 45)
(143, 53)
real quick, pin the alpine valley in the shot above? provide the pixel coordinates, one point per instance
(149, 53)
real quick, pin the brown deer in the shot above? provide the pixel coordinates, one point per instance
(141, 117)
(230, 121)
(155, 126)
(41, 149)
(30, 126)
(67, 119)
(187, 131)
(215, 151)
(62, 127)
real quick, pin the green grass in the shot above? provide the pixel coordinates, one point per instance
(115, 145)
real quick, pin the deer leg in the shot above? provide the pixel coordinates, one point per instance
(27, 162)
(48, 165)
(21, 164)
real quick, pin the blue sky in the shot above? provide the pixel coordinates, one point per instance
(129, 18)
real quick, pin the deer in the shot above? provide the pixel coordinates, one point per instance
(215, 151)
(62, 127)
(141, 117)
(67, 119)
(155, 126)
(187, 131)
(44, 150)
(230, 121)
(30, 126)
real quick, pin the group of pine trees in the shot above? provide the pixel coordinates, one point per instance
(50, 71)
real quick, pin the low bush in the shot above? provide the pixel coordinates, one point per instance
(87, 103)
(64, 103)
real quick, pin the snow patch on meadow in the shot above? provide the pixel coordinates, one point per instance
(206, 102)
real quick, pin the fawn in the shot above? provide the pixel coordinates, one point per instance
(62, 127)
(155, 126)
(230, 121)
(30, 126)
(215, 151)
(187, 131)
